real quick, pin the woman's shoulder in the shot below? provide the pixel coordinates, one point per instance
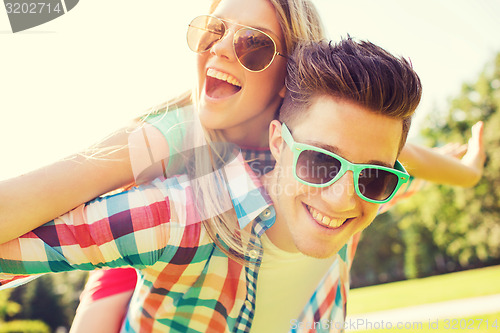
(165, 118)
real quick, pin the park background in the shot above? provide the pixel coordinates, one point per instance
(66, 84)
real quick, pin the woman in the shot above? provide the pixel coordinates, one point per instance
(240, 112)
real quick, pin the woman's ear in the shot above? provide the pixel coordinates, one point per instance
(275, 139)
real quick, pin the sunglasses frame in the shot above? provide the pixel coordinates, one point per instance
(345, 166)
(276, 52)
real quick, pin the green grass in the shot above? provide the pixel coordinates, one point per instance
(472, 283)
(468, 324)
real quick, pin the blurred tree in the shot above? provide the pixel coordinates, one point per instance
(51, 298)
(7, 306)
(38, 301)
(380, 254)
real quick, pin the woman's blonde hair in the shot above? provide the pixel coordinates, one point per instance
(299, 21)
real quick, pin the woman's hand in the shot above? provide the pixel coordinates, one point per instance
(452, 164)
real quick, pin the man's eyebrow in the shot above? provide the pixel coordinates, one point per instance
(337, 151)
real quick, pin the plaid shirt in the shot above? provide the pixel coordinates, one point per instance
(186, 284)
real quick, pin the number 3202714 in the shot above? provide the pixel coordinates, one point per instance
(32, 8)
(471, 324)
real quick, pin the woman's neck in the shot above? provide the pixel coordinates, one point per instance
(248, 137)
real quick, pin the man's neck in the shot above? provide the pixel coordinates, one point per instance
(278, 233)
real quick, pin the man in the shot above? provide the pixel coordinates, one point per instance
(348, 104)
(353, 100)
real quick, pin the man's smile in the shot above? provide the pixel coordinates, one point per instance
(325, 220)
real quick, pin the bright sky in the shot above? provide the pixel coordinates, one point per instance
(69, 82)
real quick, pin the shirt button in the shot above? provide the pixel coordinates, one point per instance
(248, 304)
(253, 254)
(266, 213)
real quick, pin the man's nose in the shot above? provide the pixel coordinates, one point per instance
(341, 195)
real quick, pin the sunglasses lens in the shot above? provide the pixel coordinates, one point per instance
(377, 184)
(254, 49)
(317, 168)
(203, 32)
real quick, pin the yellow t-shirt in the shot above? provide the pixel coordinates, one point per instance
(286, 282)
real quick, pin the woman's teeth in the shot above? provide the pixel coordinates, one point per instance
(325, 220)
(223, 77)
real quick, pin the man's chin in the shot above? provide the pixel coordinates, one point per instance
(319, 252)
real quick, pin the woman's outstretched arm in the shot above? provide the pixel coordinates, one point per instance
(439, 167)
(127, 229)
(32, 199)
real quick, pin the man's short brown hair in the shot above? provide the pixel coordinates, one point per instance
(359, 72)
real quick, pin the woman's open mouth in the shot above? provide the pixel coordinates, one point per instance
(220, 85)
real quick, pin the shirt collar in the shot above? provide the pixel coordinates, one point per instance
(249, 198)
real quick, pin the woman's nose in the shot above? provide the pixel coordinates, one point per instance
(224, 47)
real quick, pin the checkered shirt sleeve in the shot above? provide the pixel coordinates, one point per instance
(127, 229)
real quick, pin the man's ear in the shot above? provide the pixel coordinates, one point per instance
(275, 139)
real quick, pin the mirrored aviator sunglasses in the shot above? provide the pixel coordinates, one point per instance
(254, 49)
(319, 167)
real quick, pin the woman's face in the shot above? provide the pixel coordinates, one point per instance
(231, 98)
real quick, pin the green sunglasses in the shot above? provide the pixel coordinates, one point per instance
(319, 167)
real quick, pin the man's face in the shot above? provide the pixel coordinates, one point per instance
(351, 131)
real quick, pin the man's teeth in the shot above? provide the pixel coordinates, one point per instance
(223, 76)
(325, 220)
